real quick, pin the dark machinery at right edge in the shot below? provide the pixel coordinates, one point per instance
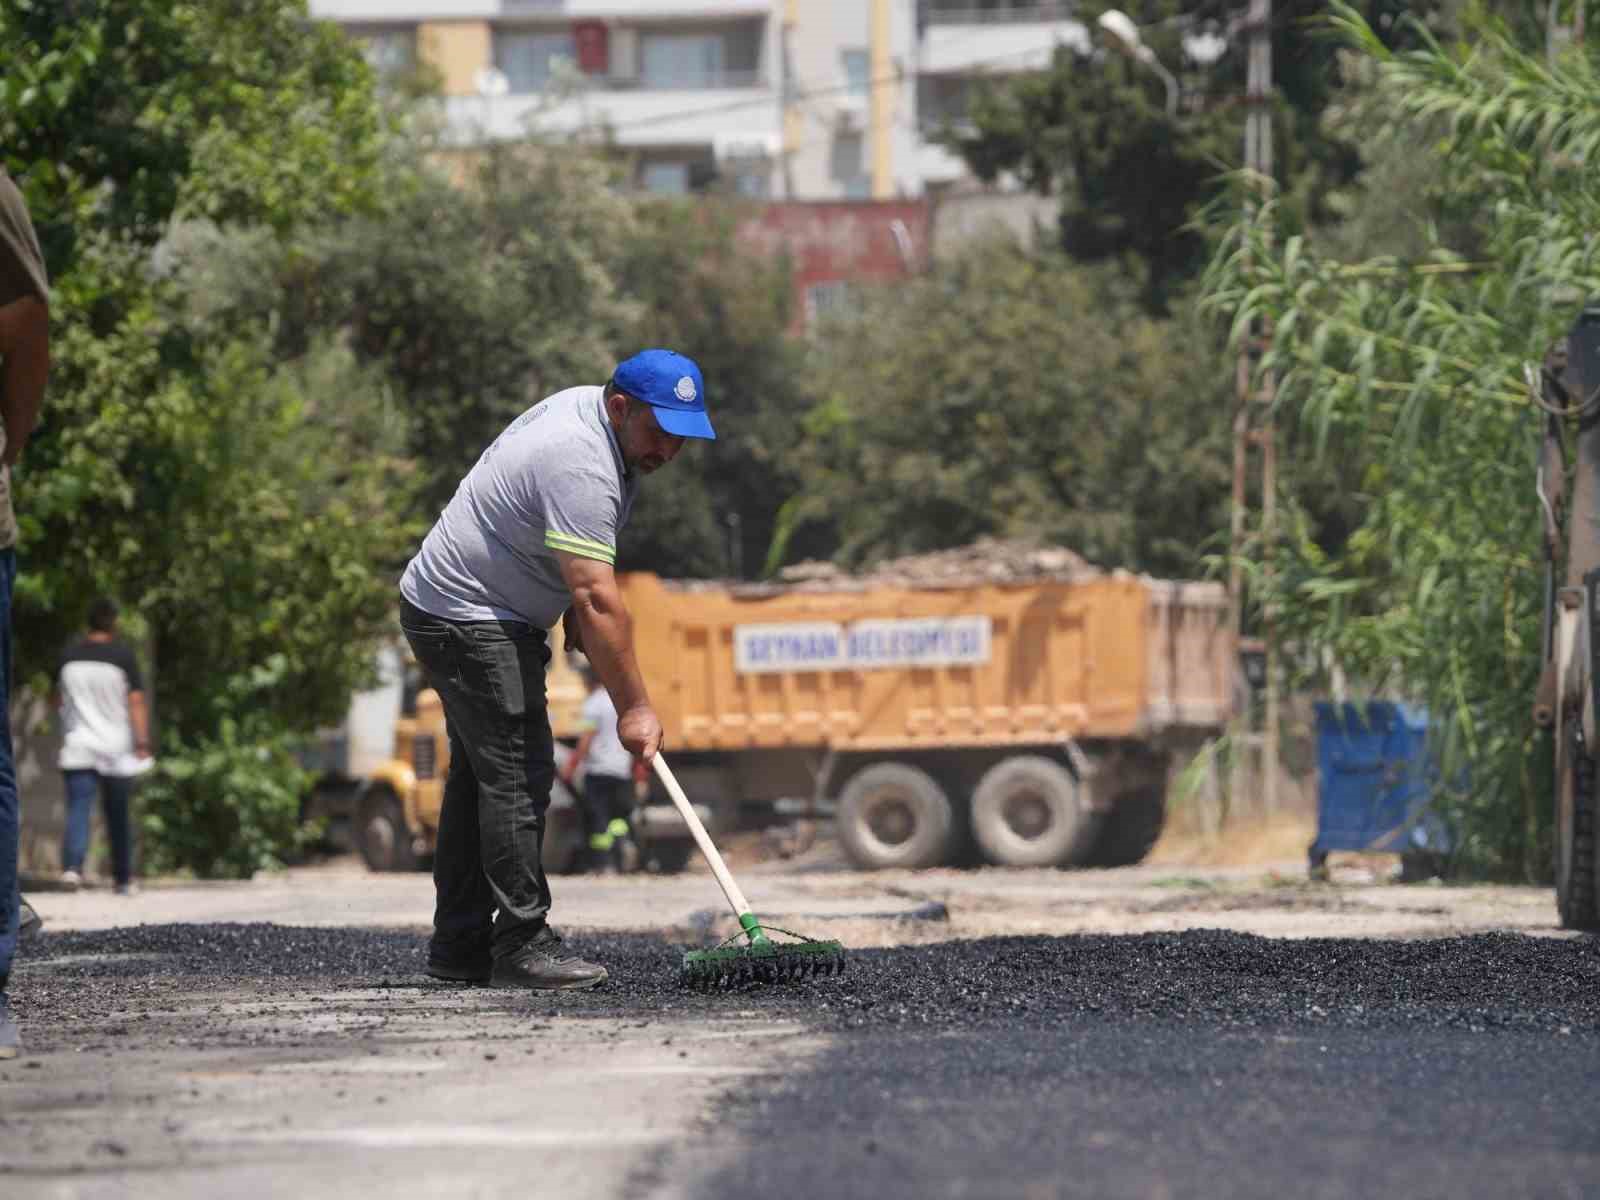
(1566, 390)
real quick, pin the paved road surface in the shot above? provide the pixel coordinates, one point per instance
(231, 1057)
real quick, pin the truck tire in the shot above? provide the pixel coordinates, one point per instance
(1575, 829)
(381, 833)
(1028, 811)
(1131, 828)
(895, 815)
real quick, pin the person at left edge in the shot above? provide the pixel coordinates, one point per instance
(24, 367)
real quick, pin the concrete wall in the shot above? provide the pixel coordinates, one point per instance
(458, 50)
(840, 241)
(961, 218)
(37, 743)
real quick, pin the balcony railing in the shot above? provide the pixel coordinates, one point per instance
(602, 83)
(973, 14)
(706, 81)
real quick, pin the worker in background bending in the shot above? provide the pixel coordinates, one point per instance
(607, 768)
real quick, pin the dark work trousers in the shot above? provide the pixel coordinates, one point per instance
(114, 793)
(607, 804)
(490, 680)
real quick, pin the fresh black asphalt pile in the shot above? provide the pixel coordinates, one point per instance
(1222, 979)
(1203, 1063)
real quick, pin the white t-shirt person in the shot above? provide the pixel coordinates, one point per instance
(99, 686)
(606, 754)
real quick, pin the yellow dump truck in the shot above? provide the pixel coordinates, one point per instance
(1031, 723)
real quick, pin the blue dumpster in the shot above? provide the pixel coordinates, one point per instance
(1375, 776)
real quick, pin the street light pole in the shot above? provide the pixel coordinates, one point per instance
(1253, 422)
(1125, 34)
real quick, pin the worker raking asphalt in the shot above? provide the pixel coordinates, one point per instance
(1208, 977)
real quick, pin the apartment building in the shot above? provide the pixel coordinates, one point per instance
(781, 99)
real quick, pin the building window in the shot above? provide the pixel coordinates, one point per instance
(857, 66)
(753, 183)
(529, 59)
(389, 50)
(944, 100)
(831, 298)
(681, 60)
(847, 166)
(665, 178)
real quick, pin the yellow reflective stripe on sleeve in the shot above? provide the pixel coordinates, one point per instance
(580, 546)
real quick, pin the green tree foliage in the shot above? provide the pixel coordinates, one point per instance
(1013, 393)
(120, 115)
(243, 504)
(1133, 179)
(474, 300)
(477, 299)
(249, 760)
(698, 292)
(1420, 363)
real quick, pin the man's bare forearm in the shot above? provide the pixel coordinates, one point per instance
(608, 643)
(24, 369)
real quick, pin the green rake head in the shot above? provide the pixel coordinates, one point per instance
(749, 956)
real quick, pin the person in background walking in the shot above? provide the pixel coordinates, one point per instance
(607, 777)
(105, 725)
(24, 367)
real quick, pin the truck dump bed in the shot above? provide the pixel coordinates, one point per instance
(888, 667)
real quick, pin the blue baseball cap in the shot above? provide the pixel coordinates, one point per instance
(670, 383)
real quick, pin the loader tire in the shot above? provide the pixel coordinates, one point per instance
(381, 832)
(1575, 830)
(895, 815)
(668, 857)
(1131, 828)
(1028, 811)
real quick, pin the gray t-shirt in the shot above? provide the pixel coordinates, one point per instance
(554, 480)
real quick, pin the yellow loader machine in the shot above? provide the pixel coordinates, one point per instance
(1566, 390)
(379, 779)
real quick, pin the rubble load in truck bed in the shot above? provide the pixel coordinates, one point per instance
(985, 561)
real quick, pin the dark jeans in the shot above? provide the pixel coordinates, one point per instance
(114, 793)
(490, 679)
(10, 814)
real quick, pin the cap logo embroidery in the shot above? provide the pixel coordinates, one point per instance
(685, 389)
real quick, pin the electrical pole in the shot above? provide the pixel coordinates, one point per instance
(1254, 425)
(881, 101)
(789, 96)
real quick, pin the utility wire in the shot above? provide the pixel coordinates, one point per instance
(802, 94)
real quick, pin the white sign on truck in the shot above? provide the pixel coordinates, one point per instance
(861, 645)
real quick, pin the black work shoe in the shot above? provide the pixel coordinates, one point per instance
(10, 1038)
(457, 972)
(459, 962)
(543, 966)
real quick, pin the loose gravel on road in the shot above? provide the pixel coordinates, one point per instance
(1477, 983)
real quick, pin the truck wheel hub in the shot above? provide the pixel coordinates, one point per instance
(1027, 815)
(380, 836)
(891, 820)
